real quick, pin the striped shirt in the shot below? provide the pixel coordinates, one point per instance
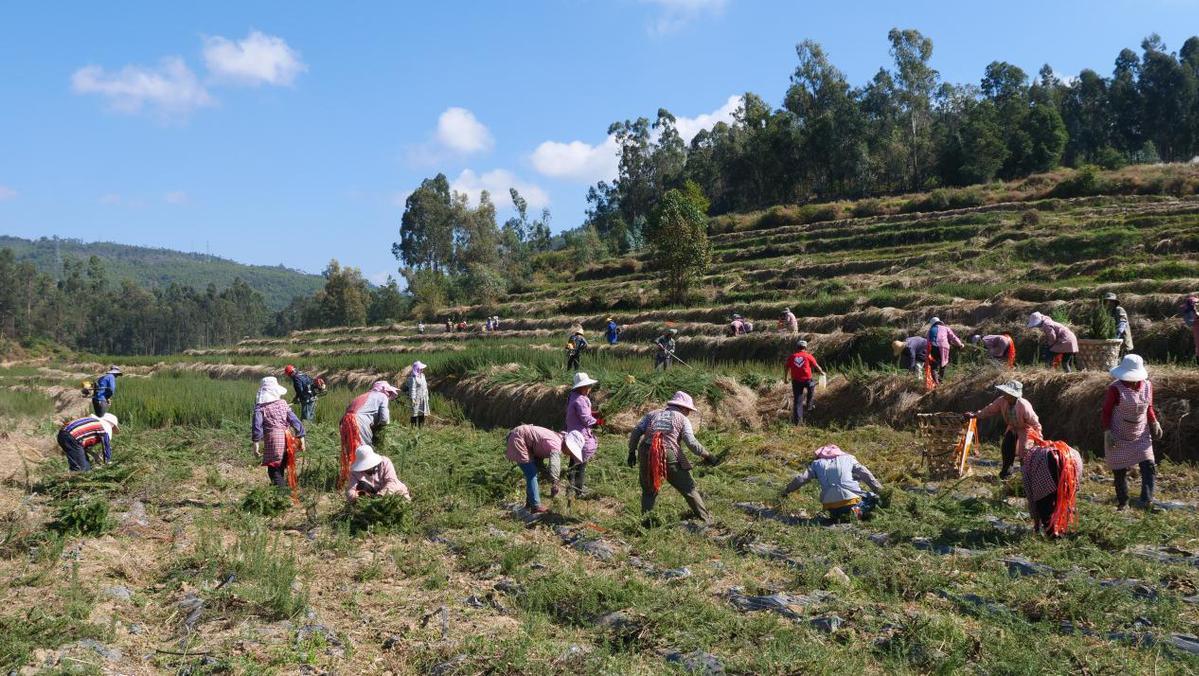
(88, 432)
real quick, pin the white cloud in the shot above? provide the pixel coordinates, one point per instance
(176, 197)
(690, 126)
(110, 198)
(171, 89)
(459, 130)
(254, 60)
(7, 193)
(577, 161)
(497, 182)
(674, 14)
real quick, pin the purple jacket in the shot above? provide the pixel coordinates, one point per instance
(944, 337)
(578, 417)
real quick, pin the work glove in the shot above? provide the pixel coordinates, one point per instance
(1157, 430)
(1109, 441)
(632, 459)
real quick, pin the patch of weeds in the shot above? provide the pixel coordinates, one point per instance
(318, 473)
(372, 570)
(577, 596)
(414, 562)
(215, 480)
(21, 634)
(82, 516)
(78, 601)
(380, 514)
(266, 501)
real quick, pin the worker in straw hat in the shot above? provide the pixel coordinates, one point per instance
(529, 446)
(418, 393)
(373, 474)
(654, 445)
(912, 353)
(838, 474)
(612, 331)
(1060, 344)
(580, 419)
(366, 414)
(269, 429)
(1120, 318)
(1129, 426)
(80, 436)
(940, 338)
(1000, 349)
(104, 390)
(665, 345)
(575, 345)
(305, 390)
(798, 370)
(1021, 420)
(788, 322)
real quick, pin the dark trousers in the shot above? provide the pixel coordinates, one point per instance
(76, 455)
(1067, 359)
(418, 420)
(100, 406)
(576, 475)
(277, 475)
(1008, 451)
(802, 392)
(572, 361)
(662, 361)
(1043, 511)
(676, 476)
(937, 367)
(1148, 474)
(308, 409)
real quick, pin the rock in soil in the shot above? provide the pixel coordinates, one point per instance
(787, 605)
(697, 662)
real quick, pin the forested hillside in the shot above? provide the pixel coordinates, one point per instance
(159, 268)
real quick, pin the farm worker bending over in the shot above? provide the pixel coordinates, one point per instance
(1129, 427)
(666, 347)
(373, 474)
(272, 418)
(1120, 318)
(1052, 473)
(579, 419)
(529, 446)
(736, 326)
(799, 370)
(612, 331)
(1022, 423)
(77, 436)
(1000, 349)
(305, 391)
(418, 392)
(1060, 341)
(940, 337)
(839, 473)
(912, 353)
(365, 414)
(575, 345)
(654, 445)
(105, 388)
(1190, 317)
(788, 322)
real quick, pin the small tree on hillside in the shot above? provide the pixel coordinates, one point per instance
(678, 237)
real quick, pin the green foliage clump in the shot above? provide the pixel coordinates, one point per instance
(380, 514)
(1085, 181)
(266, 501)
(867, 207)
(1102, 326)
(679, 239)
(82, 516)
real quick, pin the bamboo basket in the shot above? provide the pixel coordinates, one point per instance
(1098, 354)
(947, 443)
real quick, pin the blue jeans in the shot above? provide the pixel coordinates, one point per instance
(532, 490)
(76, 455)
(307, 409)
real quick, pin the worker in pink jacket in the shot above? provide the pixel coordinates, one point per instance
(1059, 340)
(373, 474)
(1021, 419)
(940, 337)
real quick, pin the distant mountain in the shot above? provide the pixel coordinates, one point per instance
(160, 267)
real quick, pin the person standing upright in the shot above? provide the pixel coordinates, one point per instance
(665, 352)
(612, 331)
(105, 389)
(579, 418)
(418, 393)
(269, 428)
(575, 345)
(1190, 317)
(1021, 420)
(1120, 318)
(799, 369)
(305, 392)
(1129, 427)
(654, 445)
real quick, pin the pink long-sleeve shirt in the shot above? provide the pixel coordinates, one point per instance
(945, 337)
(579, 417)
(1020, 418)
(1059, 338)
(526, 442)
(379, 480)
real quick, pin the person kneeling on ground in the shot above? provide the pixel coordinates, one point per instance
(1052, 473)
(654, 445)
(269, 429)
(839, 473)
(373, 474)
(529, 446)
(1022, 422)
(77, 436)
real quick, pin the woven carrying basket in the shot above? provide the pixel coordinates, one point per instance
(1099, 354)
(947, 443)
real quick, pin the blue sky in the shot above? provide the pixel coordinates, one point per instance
(283, 132)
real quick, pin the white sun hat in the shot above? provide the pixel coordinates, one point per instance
(573, 441)
(365, 458)
(1012, 387)
(1131, 368)
(1035, 319)
(581, 379)
(270, 390)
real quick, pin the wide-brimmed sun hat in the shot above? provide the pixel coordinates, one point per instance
(418, 366)
(1035, 319)
(935, 320)
(270, 390)
(897, 347)
(673, 332)
(1131, 368)
(365, 458)
(682, 400)
(1012, 387)
(581, 379)
(114, 370)
(109, 422)
(1110, 296)
(573, 441)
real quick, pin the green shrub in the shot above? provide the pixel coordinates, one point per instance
(867, 207)
(1110, 158)
(812, 213)
(380, 514)
(266, 501)
(1030, 219)
(82, 516)
(1085, 181)
(1101, 326)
